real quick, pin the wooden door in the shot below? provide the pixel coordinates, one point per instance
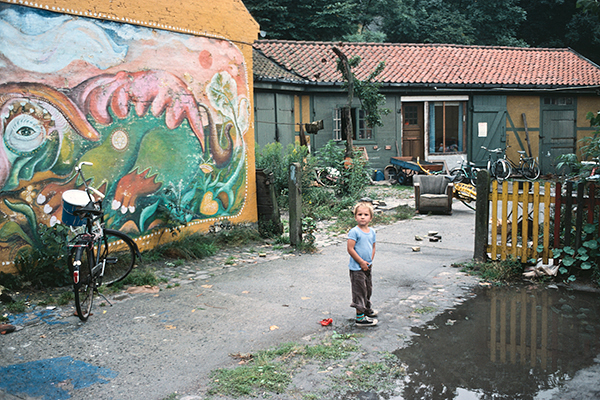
(413, 130)
(558, 137)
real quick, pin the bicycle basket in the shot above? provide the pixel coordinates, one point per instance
(73, 200)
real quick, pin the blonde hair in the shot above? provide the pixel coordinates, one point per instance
(365, 204)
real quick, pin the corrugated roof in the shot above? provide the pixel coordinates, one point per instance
(429, 64)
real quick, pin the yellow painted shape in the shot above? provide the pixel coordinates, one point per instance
(305, 109)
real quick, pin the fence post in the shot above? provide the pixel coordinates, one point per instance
(295, 196)
(482, 215)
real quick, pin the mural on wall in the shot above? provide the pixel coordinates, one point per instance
(161, 115)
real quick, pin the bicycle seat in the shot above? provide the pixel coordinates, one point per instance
(522, 152)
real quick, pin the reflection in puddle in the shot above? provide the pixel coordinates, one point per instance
(505, 343)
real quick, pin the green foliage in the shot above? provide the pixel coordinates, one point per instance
(140, 277)
(583, 261)
(309, 226)
(16, 307)
(10, 281)
(508, 270)
(45, 264)
(271, 371)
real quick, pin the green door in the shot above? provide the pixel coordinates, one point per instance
(557, 137)
(488, 127)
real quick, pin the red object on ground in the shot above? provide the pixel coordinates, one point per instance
(326, 322)
(6, 328)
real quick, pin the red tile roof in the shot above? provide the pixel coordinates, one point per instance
(436, 64)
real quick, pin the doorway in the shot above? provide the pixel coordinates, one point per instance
(558, 134)
(413, 130)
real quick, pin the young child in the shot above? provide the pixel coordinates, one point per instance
(361, 247)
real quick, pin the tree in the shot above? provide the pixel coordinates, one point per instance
(367, 91)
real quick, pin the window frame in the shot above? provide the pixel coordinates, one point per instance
(359, 125)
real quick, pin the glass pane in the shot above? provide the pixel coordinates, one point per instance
(446, 141)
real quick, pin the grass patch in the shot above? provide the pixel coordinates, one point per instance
(508, 270)
(271, 371)
(65, 298)
(139, 277)
(16, 307)
(371, 376)
(424, 310)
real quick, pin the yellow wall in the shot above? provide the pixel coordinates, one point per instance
(516, 106)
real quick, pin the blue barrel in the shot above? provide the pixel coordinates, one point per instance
(379, 176)
(73, 200)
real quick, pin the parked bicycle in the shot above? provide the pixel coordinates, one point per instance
(527, 167)
(465, 173)
(494, 165)
(97, 255)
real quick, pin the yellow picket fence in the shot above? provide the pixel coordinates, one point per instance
(517, 212)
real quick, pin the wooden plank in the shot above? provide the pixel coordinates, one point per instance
(568, 213)
(514, 198)
(536, 219)
(546, 235)
(579, 214)
(525, 223)
(557, 213)
(504, 203)
(494, 252)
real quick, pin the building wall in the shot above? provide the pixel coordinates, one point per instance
(158, 98)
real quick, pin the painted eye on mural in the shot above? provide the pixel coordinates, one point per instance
(24, 134)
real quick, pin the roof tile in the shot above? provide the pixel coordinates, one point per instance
(434, 63)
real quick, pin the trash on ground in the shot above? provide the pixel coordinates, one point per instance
(142, 289)
(541, 269)
(273, 327)
(416, 248)
(326, 321)
(418, 238)
(6, 328)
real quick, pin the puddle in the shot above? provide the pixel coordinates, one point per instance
(506, 343)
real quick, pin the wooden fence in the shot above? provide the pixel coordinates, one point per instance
(527, 220)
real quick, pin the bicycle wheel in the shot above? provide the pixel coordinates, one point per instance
(459, 175)
(501, 169)
(118, 254)
(531, 170)
(325, 178)
(83, 260)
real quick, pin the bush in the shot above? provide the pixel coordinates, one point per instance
(45, 263)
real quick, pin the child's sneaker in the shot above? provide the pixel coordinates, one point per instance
(365, 321)
(371, 313)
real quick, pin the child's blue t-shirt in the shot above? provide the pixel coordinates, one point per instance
(364, 246)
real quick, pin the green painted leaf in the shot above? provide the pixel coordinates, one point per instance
(222, 93)
(25, 209)
(591, 244)
(569, 250)
(586, 265)
(555, 252)
(540, 248)
(12, 229)
(563, 270)
(582, 251)
(571, 278)
(568, 261)
(590, 228)
(583, 257)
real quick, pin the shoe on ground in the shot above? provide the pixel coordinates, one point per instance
(371, 313)
(366, 321)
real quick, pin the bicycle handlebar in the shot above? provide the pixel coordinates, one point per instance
(87, 187)
(498, 150)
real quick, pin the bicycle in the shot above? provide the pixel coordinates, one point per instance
(97, 255)
(466, 172)
(528, 167)
(498, 167)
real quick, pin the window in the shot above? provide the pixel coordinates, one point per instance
(558, 101)
(360, 130)
(446, 127)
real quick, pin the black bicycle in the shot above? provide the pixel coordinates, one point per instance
(97, 255)
(465, 173)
